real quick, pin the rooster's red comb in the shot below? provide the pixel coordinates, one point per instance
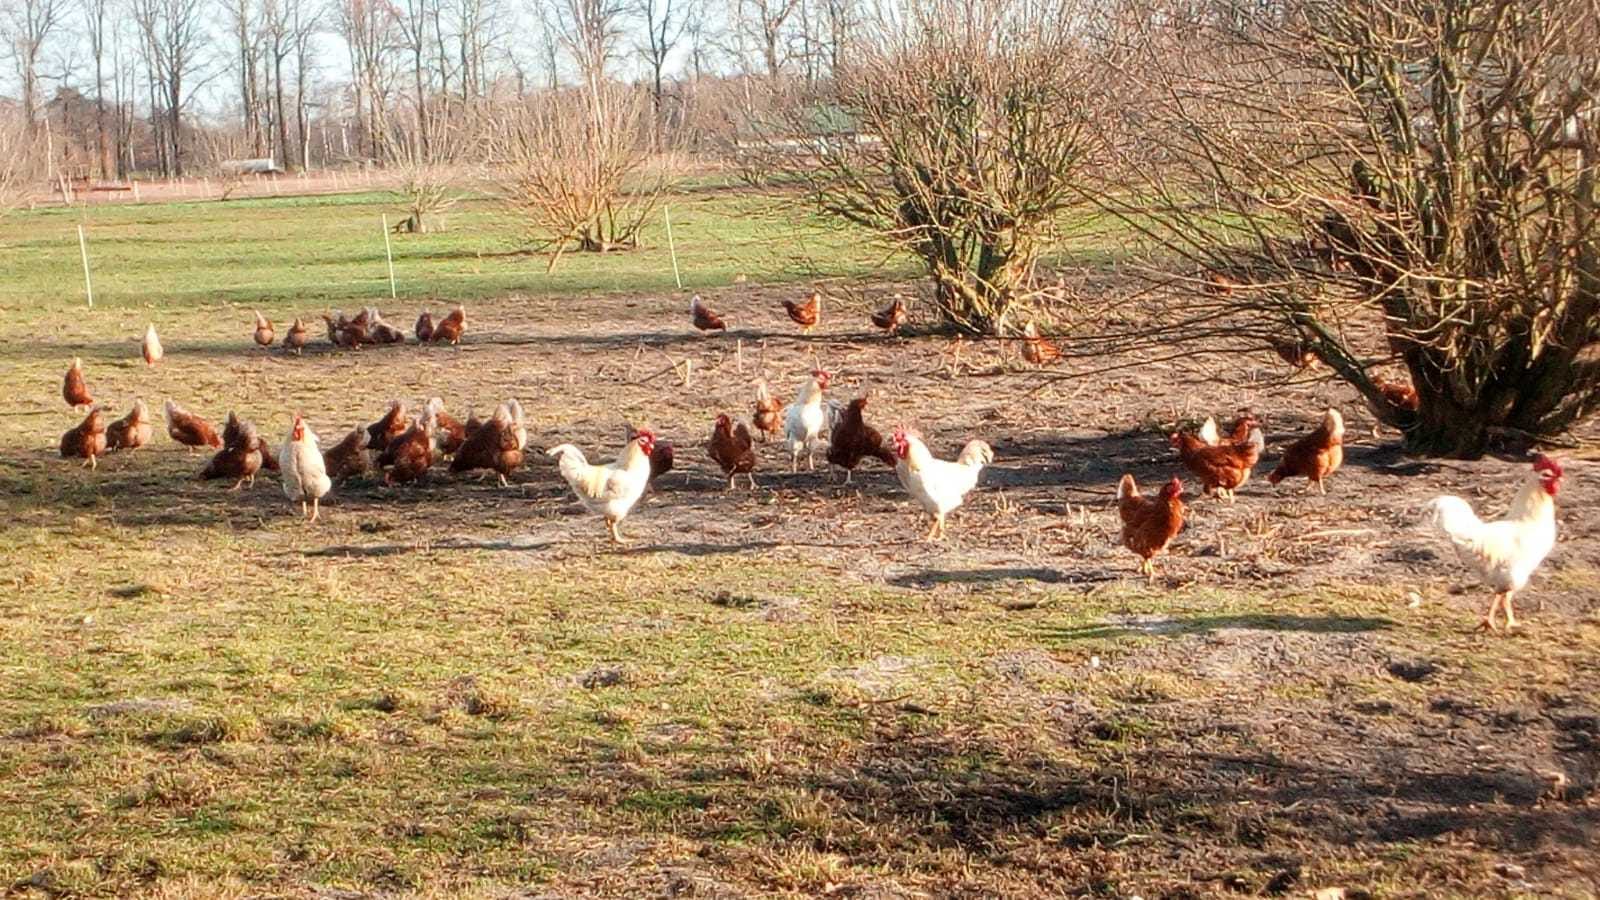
(1542, 463)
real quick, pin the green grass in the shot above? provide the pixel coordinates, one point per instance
(289, 253)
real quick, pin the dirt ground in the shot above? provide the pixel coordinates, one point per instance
(1476, 763)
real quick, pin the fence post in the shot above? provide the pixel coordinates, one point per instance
(83, 250)
(388, 251)
(671, 247)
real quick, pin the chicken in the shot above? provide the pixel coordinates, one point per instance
(732, 449)
(346, 333)
(662, 458)
(73, 388)
(806, 314)
(1315, 456)
(492, 445)
(704, 318)
(380, 331)
(1219, 285)
(295, 339)
(1397, 398)
(451, 327)
(1506, 552)
(424, 328)
(1038, 351)
(263, 334)
(452, 433)
(1149, 523)
(389, 426)
(805, 420)
(853, 440)
(231, 435)
(132, 431)
(891, 317)
(768, 415)
(189, 429)
(305, 473)
(610, 490)
(938, 485)
(519, 425)
(1221, 469)
(239, 458)
(348, 458)
(662, 455)
(1238, 433)
(150, 349)
(409, 456)
(86, 440)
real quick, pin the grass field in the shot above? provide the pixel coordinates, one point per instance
(299, 252)
(455, 689)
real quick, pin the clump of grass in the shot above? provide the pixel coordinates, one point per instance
(178, 731)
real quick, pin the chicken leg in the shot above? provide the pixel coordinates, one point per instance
(616, 532)
(936, 529)
(1488, 619)
(316, 508)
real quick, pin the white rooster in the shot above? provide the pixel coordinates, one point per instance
(940, 486)
(304, 476)
(806, 420)
(609, 490)
(1504, 552)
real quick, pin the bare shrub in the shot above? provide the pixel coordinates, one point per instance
(1405, 184)
(575, 166)
(425, 153)
(959, 132)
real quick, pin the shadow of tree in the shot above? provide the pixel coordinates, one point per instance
(1177, 626)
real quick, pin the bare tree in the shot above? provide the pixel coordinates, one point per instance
(302, 28)
(412, 19)
(95, 13)
(429, 175)
(960, 134)
(25, 25)
(1387, 182)
(591, 31)
(766, 22)
(368, 28)
(20, 161)
(247, 50)
(577, 182)
(663, 23)
(174, 34)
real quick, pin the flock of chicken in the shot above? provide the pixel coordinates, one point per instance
(365, 327)
(402, 448)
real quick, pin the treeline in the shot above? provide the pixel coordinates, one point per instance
(108, 88)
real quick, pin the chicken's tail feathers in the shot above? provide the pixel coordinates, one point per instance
(976, 453)
(1126, 488)
(1451, 516)
(1208, 432)
(562, 451)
